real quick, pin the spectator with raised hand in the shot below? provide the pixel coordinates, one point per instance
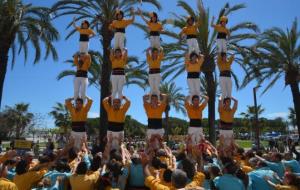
(5, 184)
(290, 182)
(275, 163)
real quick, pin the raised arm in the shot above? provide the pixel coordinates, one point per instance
(220, 105)
(133, 14)
(148, 52)
(127, 103)
(68, 103)
(164, 98)
(89, 103)
(187, 99)
(204, 103)
(235, 105)
(231, 59)
(125, 54)
(142, 16)
(146, 98)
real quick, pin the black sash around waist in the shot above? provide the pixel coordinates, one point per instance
(84, 38)
(191, 36)
(78, 126)
(155, 123)
(81, 73)
(154, 71)
(225, 125)
(154, 33)
(195, 123)
(122, 30)
(193, 75)
(225, 73)
(221, 35)
(115, 126)
(118, 71)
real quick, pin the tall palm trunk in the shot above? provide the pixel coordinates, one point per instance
(3, 68)
(211, 92)
(167, 129)
(296, 99)
(104, 81)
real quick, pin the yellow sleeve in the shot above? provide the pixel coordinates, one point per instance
(113, 24)
(87, 107)
(146, 106)
(231, 60)
(94, 176)
(75, 60)
(78, 29)
(161, 56)
(197, 181)
(89, 60)
(128, 22)
(154, 184)
(148, 58)
(69, 105)
(202, 106)
(35, 176)
(283, 187)
(126, 106)
(3, 158)
(163, 106)
(91, 32)
(183, 31)
(105, 104)
(186, 105)
(217, 27)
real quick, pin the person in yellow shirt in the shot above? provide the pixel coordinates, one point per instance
(154, 58)
(81, 180)
(85, 34)
(154, 110)
(118, 60)
(224, 66)
(193, 63)
(25, 179)
(82, 62)
(79, 114)
(155, 27)
(223, 34)
(119, 25)
(191, 31)
(226, 122)
(5, 184)
(116, 113)
(194, 111)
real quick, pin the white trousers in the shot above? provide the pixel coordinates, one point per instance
(226, 86)
(222, 45)
(193, 45)
(154, 82)
(117, 82)
(155, 42)
(78, 137)
(151, 132)
(83, 47)
(196, 134)
(119, 40)
(117, 137)
(227, 135)
(194, 86)
(80, 85)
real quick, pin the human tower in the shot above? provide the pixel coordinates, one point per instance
(117, 104)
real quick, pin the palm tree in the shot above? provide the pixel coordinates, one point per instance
(250, 113)
(61, 116)
(175, 52)
(101, 14)
(135, 74)
(292, 117)
(175, 99)
(277, 54)
(22, 25)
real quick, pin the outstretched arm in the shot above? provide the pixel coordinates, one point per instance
(141, 14)
(133, 15)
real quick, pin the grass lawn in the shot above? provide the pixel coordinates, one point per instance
(248, 143)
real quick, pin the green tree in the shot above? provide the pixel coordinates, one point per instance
(22, 26)
(175, 99)
(100, 13)
(277, 55)
(61, 116)
(15, 120)
(292, 117)
(175, 52)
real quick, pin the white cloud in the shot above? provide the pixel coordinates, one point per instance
(277, 114)
(93, 114)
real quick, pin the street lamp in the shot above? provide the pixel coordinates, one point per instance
(256, 117)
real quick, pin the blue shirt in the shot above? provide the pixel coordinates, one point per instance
(11, 174)
(136, 176)
(53, 177)
(277, 167)
(293, 164)
(228, 182)
(257, 180)
(121, 183)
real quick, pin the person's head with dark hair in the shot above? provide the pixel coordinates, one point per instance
(207, 158)
(154, 17)
(190, 20)
(136, 159)
(115, 155)
(167, 175)
(193, 57)
(261, 164)
(230, 168)
(258, 153)
(154, 100)
(119, 15)
(22, 167)
(62, 166)
(224, 160)
(195, 100)
(181, 156)
(44, 159)
(223, 57)
(85, 24)
(291, 179)
(161, 152)
(79, 104)
(72, 154)
(115, 168)
(156, 162)
(81, 168)
(96, 163)
(189, 168)
(118, 53)
(163, 165)
(242, 176)
(179, 179)
(226, 102)
(253, 162)
(276, 157)
(154, 53)
(249, 154)
(214, 171)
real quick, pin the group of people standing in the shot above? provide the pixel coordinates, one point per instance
(116, 105)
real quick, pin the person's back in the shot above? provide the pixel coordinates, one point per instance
(258, 181)
(136, 175)
(86, 182)
(293, 165)
(228, 181)
(5, 184)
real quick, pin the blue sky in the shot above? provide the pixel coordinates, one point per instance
(37, 84)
